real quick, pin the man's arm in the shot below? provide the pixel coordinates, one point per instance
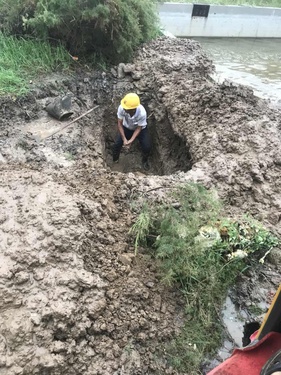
(121, 131)
(120, 117)
(135, 134)
(141, 124)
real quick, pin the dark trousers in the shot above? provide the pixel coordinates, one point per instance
(144, 140)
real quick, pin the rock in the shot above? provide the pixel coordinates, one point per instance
(96, 307)
(58, 347)
(111, 276)
(86, 279)
(275, 256)
(35, 319)
(126, 258)
(22, 277)
(137, 75)
(120, 71)
(113, 72)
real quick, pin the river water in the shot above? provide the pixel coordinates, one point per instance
(252, 62)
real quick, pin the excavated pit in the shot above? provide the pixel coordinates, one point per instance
(170, 153)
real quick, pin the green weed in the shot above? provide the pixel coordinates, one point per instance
(69, 156)
(140, 229)
(203, 253)
(12, 83)
(256, 310)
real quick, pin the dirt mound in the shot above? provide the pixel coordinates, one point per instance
(74, 297)
(232, 137)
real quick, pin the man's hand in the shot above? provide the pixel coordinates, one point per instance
(126, 144)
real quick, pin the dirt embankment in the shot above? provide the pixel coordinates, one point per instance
(74, 298)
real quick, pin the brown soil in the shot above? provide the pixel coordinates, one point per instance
(74, 297)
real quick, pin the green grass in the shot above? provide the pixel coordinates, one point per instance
(22, 60)
(12, 83)
(262, 3)
(202, 253)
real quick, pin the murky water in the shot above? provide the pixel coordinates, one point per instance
(233, 321)
(252, 62)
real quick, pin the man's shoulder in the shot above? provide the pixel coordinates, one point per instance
(142, 111)
(120, 110)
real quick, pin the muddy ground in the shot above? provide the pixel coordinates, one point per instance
(74, 297)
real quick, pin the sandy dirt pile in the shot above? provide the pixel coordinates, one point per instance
(74, 297)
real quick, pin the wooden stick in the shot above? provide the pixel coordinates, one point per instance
(71, 122)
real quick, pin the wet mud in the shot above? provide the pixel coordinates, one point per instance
(75, 298)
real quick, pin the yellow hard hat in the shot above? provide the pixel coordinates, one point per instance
(130, 101)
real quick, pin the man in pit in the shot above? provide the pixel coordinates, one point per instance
(132, 124)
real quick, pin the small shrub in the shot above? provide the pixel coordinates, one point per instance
(201, 252)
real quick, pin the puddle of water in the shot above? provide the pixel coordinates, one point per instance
(232, 321)
(252, 62)
(43, 127)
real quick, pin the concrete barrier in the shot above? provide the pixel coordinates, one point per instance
(191, 20)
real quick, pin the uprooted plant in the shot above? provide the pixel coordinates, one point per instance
(203, 253)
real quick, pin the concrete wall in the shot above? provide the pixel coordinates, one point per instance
(222, 21)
